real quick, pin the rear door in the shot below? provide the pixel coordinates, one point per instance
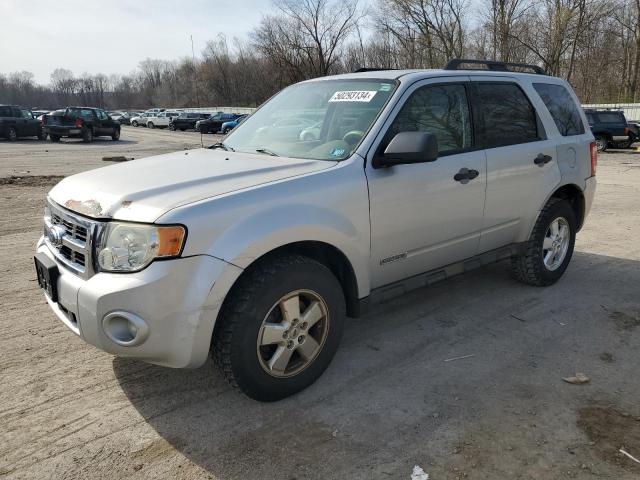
(521, 160)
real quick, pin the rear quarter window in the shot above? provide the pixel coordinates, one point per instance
(562, 108)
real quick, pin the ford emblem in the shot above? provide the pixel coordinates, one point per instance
(55, 234)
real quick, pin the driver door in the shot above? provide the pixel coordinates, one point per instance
(421, 217)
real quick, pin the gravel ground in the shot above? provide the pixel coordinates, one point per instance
(391, 399)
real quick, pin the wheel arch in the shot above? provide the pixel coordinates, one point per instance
(573, 194)
(328, 255)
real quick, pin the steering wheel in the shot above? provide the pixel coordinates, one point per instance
(353, 137)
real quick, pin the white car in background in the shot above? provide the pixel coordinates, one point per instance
(140, 119)
(161, 119)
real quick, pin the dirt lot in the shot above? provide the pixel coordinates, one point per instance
(389, 401)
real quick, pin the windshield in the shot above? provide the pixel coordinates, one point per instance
(322, 120)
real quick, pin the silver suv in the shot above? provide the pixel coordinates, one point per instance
(256, 249)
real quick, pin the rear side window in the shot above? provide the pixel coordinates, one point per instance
(442, 110)
(611, 117)
(5, 112)
(561, 107)
(508, 116)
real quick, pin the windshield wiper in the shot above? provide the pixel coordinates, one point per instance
(221, 145)
(267, 151)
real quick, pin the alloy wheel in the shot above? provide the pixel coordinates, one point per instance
(293, 333)
(556, 243)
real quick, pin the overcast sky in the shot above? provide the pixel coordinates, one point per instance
(112, 36)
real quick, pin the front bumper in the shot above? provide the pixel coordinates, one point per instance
(173, 298)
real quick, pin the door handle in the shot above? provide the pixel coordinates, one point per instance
(541, 159)
(465, 174)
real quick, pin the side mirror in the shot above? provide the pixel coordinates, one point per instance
(408, 147)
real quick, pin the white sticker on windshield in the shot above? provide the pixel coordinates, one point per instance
(353, 96)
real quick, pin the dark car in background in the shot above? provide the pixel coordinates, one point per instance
(187, 121)
(17, 121)
(214, 122)
(226, 127)
(610, 128)
(80, 122)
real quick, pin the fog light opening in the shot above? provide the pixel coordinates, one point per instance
(125, 328)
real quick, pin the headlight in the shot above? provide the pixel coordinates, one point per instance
(130, 247)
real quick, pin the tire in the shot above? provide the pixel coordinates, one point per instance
(226, 130)
(182, 129)
(531, 267)
(172, 127)
(238, 348)
(54, 138)
(12, 134)
(150, 125)
(626, 145)
(134, 124)
(42, 135)
(116, 135)
(601, 143)
(87, 135)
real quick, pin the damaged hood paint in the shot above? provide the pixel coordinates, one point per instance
(142, 190)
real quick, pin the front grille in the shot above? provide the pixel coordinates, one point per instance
(73, 248)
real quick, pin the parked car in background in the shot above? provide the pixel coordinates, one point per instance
(610, 128)
(39, 113)
(226, 127)
(161, 119)
(286, 128)
(17, 122)
(187, 120)
(214, 122)
(140, 119)
(124, 118)
(80, 122)
(155, 110)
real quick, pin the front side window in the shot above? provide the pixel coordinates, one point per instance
(508, 116)
(561, 107)
(341, 112)
(442, 110)
(25, 113)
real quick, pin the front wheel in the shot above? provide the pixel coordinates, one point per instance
(116, 134)
(42, 135)
(601, 143)
(134, 124)
(280, 327)
(54, 138)
(151, 125)
(172, 127)
(12, 135)
(548, 251)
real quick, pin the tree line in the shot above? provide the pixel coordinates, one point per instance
(594, 44)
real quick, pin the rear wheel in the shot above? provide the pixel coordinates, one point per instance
(12, 134)
(548, 251)
(601, 143)
(134, 123)
(280, 327)
(54, 138)
(150, 125)
(172, 127)
(87, 135)
(42, 135)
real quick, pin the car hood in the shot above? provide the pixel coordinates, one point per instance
(142, 190)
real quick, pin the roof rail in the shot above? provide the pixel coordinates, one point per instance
(455, 64)
(372, 69)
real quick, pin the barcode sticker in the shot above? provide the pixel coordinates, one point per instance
(353, 96)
